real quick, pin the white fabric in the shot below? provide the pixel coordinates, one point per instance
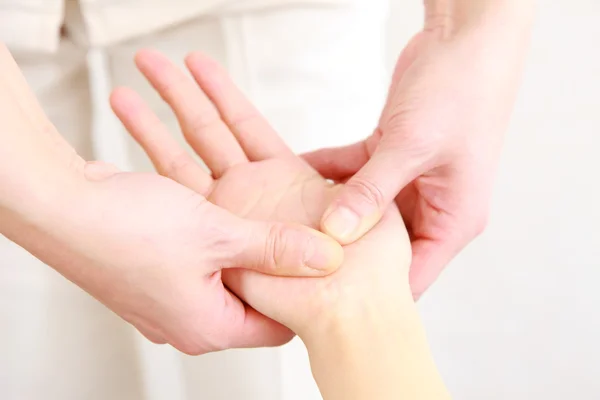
(31, 25)
(108, 22)
(315, 72)
(34, 25)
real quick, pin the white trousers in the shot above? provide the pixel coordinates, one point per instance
(317, 73)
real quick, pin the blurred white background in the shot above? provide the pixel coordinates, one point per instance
(516, 315)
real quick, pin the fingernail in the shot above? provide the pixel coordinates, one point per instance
(323, 254)
(341, 223)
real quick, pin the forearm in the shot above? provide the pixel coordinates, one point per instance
(37, 166)
(374, 353)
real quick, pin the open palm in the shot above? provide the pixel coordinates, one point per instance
(255, 175)
(279, 189)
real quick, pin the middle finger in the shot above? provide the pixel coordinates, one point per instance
(200, 122)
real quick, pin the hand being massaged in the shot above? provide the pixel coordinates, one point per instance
(256, 176)
(362, 314)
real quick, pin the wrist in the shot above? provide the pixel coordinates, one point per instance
(375, 351)
(41, 194)
(344, 323)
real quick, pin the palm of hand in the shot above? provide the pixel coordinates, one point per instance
(279, 189)
(286, 189)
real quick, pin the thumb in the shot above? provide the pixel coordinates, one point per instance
(276, 248)
(361, 201)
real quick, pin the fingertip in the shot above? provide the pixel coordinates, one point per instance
(346, 225)
(323, 254)
(152, 63)
(195, 57)
(121, 97)
(359, 204)
(287, 250)
(204, 69)
(144, 55)
(128, 106)
(152, 335)
(261, 331)
(118, 92)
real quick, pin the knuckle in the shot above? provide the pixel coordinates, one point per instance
(366, 191)
(201, 122)
(285, 249)
(177, 164)
(171, 88)
(223, 241)
(275, 247)
(242, 121)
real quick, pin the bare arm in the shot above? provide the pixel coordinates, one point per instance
(377, 350)
(37, 166)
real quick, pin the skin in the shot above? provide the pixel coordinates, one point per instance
(360, 323)
(435, 149)
(148, 248)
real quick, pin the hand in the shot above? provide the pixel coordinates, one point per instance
(257, 177)
(148, 248)
(437, 143)
(152, 251)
